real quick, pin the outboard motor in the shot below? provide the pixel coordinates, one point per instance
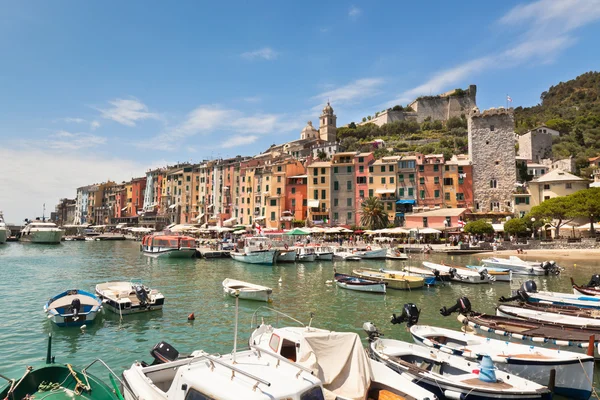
(163, 352)
(521, 294)
(529, 286)
(410, 315)
(372, 331)
(594, 281)
(452, 272)
(141, 294)
(483, 273)
(76, 307)
(463, 306)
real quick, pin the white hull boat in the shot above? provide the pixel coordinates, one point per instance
(125, 298)
(528, 293)
(41, 232)
(464, 275)
(168, 246)
(324, 253)
(500, 274)
(516, 265)
(286, 255)
(266, 257)
(525, 361)
(73, 308)
(392, 254)
(4, 231)
(346, 256)
(369, 253)
(246, 290)
(359, 284)
(506, 310)
(306, 254)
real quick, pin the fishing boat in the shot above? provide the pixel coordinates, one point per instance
(341, 254)
(246, 290)
(42, 232)
(4, 231)
(73, 308)
(370, 253)
(255, 250)
(505, 310)
(396, 254)
(562, 310)
(60, 381)
(132, 297)
(531, 332)
(591, 289)
(573, 370)
(522, 267)
(464, 275)
(306, 254)
(529, 293)
(500, 274)
(400, 281)
(286, 254)
(449, 376)
(359, 284)
(171, 246)
(427, 280)
(323, 253)
(428, 273)
(346, 373)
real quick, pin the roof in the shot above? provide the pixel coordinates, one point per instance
(442, 212)
(558, 175)
(536, 165)
(320, 164)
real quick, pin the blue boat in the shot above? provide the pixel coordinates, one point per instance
(73, 308)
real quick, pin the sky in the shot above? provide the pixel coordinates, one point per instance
(99, 90)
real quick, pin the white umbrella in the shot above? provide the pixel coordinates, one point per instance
(426, 231)
(586, 227)
(399, 230)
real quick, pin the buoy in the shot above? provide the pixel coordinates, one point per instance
(191, 317)
(328, 282)
(280, 280)
(574, 265)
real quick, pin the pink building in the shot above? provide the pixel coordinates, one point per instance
(361, 163)
(442, 219)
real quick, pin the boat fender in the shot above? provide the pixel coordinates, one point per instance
(368, 248)
(285, 246)
(450, 394)
(191, 317)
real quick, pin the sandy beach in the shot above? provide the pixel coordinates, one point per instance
(554, 254)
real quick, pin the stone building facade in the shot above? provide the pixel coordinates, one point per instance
(492, 152)
(535, 145)
(446, 105)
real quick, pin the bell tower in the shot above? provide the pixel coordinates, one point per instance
(327, 125)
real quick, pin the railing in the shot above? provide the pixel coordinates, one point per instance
(253, 322)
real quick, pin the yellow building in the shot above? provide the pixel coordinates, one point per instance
(382, 183)
(319, 191)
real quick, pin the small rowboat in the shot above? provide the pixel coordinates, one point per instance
(501, 274)
(509, 311)
(591, 289)
(426, 272)
(400, 281)
(73, 308)
(529, 293)
(428, 280)
(562, 310)
(246, 290)
(464, 275)
(359, 284)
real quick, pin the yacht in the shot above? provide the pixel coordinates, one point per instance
(255, 250)
(41, 232)
(4, 231)
(324, 253)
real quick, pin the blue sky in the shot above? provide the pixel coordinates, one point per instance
(97, 90)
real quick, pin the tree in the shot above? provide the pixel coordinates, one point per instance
(349, 144)
(586, 203)
(373, 214)
(479, 227)
(352, 125)
(558, 211)
(515, 226)
(321, 155)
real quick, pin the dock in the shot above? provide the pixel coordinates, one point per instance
(207, 252)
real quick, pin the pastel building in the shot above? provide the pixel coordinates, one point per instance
(458, 182)
(319, 192)
(343, 188)
(429, 175)
(296, 202)
(382, 183)
(362, 161)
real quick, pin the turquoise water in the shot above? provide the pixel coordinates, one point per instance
(30, 274)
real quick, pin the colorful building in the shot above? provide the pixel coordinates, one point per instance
(458, 182)
(343, 195)
(429, 176)
(319, 192)
(382, 183)
(362, 161)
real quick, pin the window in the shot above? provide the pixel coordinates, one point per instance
(361, 194)
(422, 194)
(361, 169)
(304, 202)
(446, 168)
(447, 196)
(400, 177)
(370, 192)
(336, 185)
(272, 215)
(316, 193)
(266, 188)
(448, 181)
(278, 179)
(383, 168)
(323, 194)
(461, 180)
(461, 197)
(193, 394)
(335, 202)
(547, 187)
(546, 197)
(401, 192)
(389, 206)
(361, 159)
(349, 169)
(436, 168)
(361, 179)
(315, 171)
(322, 179)
(436, 194)
(410, 192)
(349, 185)
(493, 184)
(425, 223)
(293, 204)
(279, 168)
(448, 221)
(492, 127)
(422, 181)
(436, 180)
(323, 171)
(370, 179)
(411, 177)
(421, 168)
(349, 216)
(335, 170)
(335, 216)
(293, 190)
(383, 179)
(568, 186)
(278, 191)
(315, 181)
(273, 202)
(371, 168)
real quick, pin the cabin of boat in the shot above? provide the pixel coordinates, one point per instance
(255, 250)
(169, 245)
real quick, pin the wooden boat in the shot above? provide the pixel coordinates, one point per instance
(401, 281)
(500, 274)
(255, 250)
(464, 276)
(529, 293)
(528, 362)
(449, 376)
(246, 290)
(359, 284)
(426, 272)
(396, 254)
(591, 289)
(427, 280)
(171, 246)
(125, 298)
(348, 372)
(505, 310)
(73, 308)
(563, 310)
(60, 381)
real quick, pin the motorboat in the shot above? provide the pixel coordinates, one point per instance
(371, 253)
(499, 274)
(171, 246)
(73, 308)
(246, 290)
(39, 231)
(450, 376)
(528, 293)
(401, 281)
(306, 254)
(396, 254)
(529, 362)
(286, 254)
(580, 340)
(463, 276)
(562, 310)
(522, 267)
(323, 253)
(338, 360)
(427, 280)
(4, 231)
(132, 297)
(505, 310)
(359, 284)
(428, 273)
(340, 253)
(255, 250)
(591, 289)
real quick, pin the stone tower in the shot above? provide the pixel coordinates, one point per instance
(327, 127)
(492, 152)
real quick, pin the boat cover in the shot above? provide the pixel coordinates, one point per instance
(339, 361)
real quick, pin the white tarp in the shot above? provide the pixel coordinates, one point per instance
(339, 361)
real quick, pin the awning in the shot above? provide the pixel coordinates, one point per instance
(230, 221)
(381, 191)
(407, 201)
(210, 205)
(313, 203)
(120, 226)
(259, 218)
(199, 217)
(498, 227)
(172, 206)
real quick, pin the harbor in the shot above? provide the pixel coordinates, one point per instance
(34, 273)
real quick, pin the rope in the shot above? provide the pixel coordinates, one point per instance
(588, 379)
(14, 386)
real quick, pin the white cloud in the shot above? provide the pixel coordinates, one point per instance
(352, 92)
(239, 141)
(57, 175)
(252, 99)
(72, 120)
(266, 53)
(94, 125)
(64, 140)
(354, 12)
(127, 111)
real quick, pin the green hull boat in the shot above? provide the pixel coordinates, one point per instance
(60, 382)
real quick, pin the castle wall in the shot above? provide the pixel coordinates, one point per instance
(391, 116)
(492, 152)
(445, 106)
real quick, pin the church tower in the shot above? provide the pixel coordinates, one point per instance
(327, 127)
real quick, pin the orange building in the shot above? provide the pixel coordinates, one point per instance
(138, 187)
(429, 180)
(458, 182)
(295, 199)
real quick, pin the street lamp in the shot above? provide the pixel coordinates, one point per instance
(533, 227)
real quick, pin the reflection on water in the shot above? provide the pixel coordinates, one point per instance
(30, 274)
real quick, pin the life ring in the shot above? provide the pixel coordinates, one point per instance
(285, 246)
(368, 248)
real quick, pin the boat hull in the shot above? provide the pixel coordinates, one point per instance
(265, 257)
(501, 275)
(247, 291)
(60, 308)
(398, 282)
(372, 288)
(120, 298)
(324, 256)
(546, 317)
(3, 235)
(43, 237)
(461, 275)
(524, 269)
(171, 253)
(286, 256)
(306, 257)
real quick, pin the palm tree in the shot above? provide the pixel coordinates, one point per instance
(373, 214)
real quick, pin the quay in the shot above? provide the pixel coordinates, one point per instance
(207, 252)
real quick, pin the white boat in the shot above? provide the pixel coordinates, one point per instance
(73, 308)
(255, 250)
(129, 297)
(464, 276)
(4, 231)
(286, 255)
(500, 274)
(505, 310)
(528, 292)
(396, 254)
(340, 253)
(41, 232)
(371, 253)
(324, 253)
(339, 361)
(449, 376)
(359, 284)
(306, 254)
(169, 246)
(517, 265)
(529, 362)
(246, 290)
(427, 273)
